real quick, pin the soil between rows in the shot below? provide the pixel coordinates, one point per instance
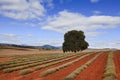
(36, 74)
(15, 75)
(95, 70)
(59, 75)
(3, 59)
(117, 63)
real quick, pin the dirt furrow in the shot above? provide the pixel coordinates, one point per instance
(59, 75)
(95, 70)
(36, 74)
(4, 59)
(15, 74)
(117, 63)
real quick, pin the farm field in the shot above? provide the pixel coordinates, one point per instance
(89, 65)
(59, 40)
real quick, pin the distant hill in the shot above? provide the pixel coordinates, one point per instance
(47, 47)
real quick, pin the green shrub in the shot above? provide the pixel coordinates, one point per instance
(38, 68)
(49, 71)
(27, 71)
(70, 77)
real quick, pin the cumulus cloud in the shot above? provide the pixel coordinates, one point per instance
(22, 9)
(66, 21)
(94, 1)
(49, 3)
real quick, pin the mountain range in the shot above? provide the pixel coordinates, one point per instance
(28, 46)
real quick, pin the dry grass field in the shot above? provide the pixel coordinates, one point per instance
(13, 51)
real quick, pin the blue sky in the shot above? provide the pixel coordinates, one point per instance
(39, 22)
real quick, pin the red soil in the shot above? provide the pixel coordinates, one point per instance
(9, 76)
(5, 59)
(59, 75)
(1, 72)
(14, 75)
(117, 63)
(95, 70)
(36, 74)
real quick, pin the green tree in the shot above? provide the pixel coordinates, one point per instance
(74, 41)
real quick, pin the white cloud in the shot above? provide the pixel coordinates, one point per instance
(28, 24)
(62, 1)
(49, 42)
(10, 38)
(30, 35)
(94, 1)
(96, 12)
(49, 3)
(66, 21)
(22, 9)
(106, 44)
(22, 39)
(92, 33)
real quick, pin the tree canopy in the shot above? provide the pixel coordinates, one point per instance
(74, 41)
